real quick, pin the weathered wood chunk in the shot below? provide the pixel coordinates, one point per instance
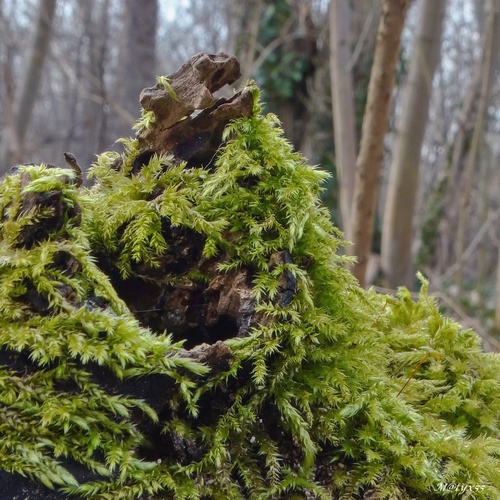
(176, 129)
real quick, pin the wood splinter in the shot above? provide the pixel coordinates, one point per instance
(73, 163)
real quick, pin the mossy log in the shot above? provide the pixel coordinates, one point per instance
(185, 328)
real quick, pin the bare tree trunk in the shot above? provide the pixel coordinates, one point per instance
(95, 112)
(397, 231)
(11, 145)
(243, 25)
(139, 57)
(497, 297)
(344, 126)
(373, 132)
(32, 78)
(489, 54)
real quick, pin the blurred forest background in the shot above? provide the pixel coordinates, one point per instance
(71, 73)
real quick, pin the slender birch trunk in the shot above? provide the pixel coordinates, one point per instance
(397, 230)
(344, 126)
(375, 124)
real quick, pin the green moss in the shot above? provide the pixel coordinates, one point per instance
(40, 421)
(319, 407)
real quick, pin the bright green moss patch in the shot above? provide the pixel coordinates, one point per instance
(311, 404)
(59, 320)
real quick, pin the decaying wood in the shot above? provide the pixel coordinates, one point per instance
(162, 298)
(174, 130)
(203, 313)
(73, 163)
(193, 85)
(50, 212)
(207, 311)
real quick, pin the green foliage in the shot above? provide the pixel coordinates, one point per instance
(40, 420)
(146, 121)
(165, 83)
(320, 408)
(127, 210)
(287, 65)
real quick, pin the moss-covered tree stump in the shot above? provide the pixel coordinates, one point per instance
(185, 329)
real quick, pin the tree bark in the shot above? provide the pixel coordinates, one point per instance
(32, 78)
(139, 57)
(488, 59)
(94, 113)
(244, 19)
(344, 126)
(12, 148)
(373, 132)
(397, 231)
(497, 295)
